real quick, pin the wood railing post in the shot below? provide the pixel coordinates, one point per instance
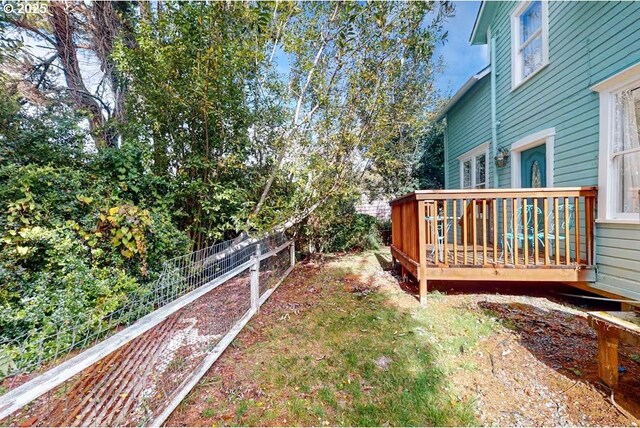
(465, 236)
(422, 251)
(567, 237)
(255, 280)
(474, 230)
(556, 230)
(292, 253)
(455, 232)
(505, 228)
(535, 231)
(576, 213)
(445, 232)
(514, 238)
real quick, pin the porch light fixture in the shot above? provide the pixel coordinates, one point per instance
(501, 157)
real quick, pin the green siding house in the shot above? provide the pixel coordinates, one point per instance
(559, 106)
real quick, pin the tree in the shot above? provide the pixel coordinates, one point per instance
(72, 30)
(429, 171)
(360, 80)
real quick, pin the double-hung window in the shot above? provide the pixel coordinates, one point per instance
(529, 40)
(473, 168)
(619, 168)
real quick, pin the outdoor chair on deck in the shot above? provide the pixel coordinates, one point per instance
(442, 227)
(518, 234)
(563, 227)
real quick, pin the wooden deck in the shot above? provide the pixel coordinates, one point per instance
(496, 234)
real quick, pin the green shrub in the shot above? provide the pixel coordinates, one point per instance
(339, 228)
(73, 251)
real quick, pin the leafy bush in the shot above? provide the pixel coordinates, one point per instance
(76, 243)
(339, 228)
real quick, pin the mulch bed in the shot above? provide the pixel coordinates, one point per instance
(132, 384)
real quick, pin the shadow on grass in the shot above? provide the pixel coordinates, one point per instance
(564, 342)
(352, 360)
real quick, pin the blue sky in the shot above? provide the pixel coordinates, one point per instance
(460, 59)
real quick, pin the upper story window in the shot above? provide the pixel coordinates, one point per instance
(619, 168)
(473, 168)
(529, 40)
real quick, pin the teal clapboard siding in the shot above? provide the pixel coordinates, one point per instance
(588, 42)
(472, 118)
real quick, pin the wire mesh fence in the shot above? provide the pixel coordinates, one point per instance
(273, 269)
(199, 300)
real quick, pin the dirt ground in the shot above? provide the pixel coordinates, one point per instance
(536, 367)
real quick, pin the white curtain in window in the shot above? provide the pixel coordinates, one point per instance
(627, 140)
(481, 162)
(466, 174)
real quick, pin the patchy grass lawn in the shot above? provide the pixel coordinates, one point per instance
(340, 343)
(334, 346)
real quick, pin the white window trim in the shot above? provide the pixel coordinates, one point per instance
(516, 64)
(471, 155)
(626, 79)
(547, 137)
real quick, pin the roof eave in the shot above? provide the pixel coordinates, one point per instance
(483, 20)
(462, 91)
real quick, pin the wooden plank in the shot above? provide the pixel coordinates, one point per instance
(24, 394)
(275, 251)
(445, 231)
(545, 210)
(511, 273)
(576, 213)
(567, 242)
(422, 278)
(626, 324)
(556, 232)
(587, 218)
(495, 228)
(505, 246)
(465, 235)
(525, 230)
(406, 262)
(548, 192)
(514, 210)
(607, 356)
(434, 231)
(590, 202)
(535, 231)
(455, 231)
(474, 231)
(484, 231)
(255, 283)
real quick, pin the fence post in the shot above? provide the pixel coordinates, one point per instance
(255, 280)
(292, 252)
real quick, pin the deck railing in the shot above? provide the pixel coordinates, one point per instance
(545, 227)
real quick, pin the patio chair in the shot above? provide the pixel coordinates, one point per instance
(518, 234)
(443, 226)
(563, 226)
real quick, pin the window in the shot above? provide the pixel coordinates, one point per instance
(619, 168)
(530, 40)
(625, 153)
(473, 168)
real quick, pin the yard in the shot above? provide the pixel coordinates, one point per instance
(341, 343)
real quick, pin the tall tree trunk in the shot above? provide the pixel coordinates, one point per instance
(63, 32)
